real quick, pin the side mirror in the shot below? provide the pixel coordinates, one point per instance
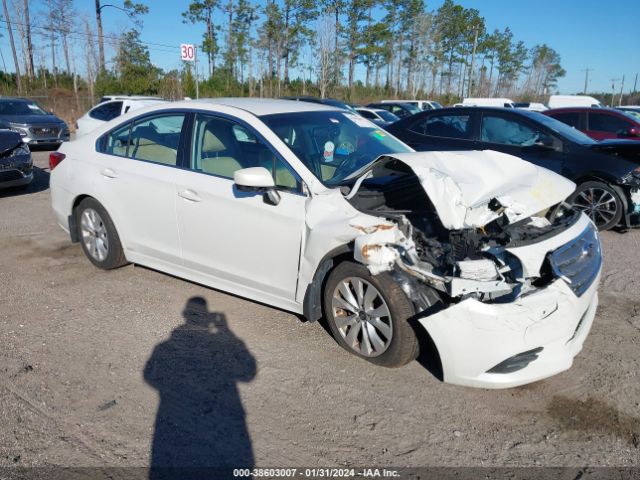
(257, 179)
(544, 142)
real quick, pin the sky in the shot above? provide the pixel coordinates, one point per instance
(595, 34)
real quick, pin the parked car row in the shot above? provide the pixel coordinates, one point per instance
(317, 210)
(607, 175)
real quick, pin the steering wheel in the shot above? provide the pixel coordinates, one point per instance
(349, 165)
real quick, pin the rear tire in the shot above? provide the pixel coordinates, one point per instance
(98, 236)
(369, 315)
(600, 202)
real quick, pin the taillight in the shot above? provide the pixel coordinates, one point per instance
(54, 159)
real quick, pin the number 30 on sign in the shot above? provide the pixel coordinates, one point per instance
(187, 52)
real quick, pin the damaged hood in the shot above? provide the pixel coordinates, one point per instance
(461, 184)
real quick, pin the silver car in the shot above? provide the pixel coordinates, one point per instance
(35, 125)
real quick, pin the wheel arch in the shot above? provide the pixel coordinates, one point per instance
(312, 303)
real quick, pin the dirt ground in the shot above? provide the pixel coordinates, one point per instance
(104, 368)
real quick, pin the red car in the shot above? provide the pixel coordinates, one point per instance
(599, 123)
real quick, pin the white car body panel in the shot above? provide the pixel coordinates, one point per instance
(199, 227)
(488, 102)
(562, 101)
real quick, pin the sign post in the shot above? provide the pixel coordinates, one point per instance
(188, 54)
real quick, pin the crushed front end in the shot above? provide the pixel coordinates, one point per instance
(517, 295)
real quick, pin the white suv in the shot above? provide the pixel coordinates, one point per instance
(110, 108)
(318, 211)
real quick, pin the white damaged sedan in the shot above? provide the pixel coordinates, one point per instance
(316, 210)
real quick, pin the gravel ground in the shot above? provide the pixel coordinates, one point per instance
(104, 368)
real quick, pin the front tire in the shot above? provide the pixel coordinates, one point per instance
(600, 202)
(98, 236)
(369, 315)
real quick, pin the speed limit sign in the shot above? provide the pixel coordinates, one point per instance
(187, 52)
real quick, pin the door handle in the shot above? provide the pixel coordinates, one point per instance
(109, 173)
(189, 195)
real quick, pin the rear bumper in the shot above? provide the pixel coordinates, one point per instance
(473, 337)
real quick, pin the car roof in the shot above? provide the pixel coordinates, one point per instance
(258, 106)
(584, 109)
(13, 99)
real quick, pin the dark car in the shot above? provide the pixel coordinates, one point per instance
(599, 123)
(16, 165)
(401, 110)
(35, 125)
(607, 173)
(324, 101)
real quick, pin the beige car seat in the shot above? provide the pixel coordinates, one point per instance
(214, 155)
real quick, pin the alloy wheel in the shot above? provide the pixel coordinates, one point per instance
(362, 317)
(94, 234)
(599, 204)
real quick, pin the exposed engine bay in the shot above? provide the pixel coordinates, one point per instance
(458, 262)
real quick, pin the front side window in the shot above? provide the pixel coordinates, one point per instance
(602, 122)
(333, 145)
(220, 147)
(448, 126)
(506, 131)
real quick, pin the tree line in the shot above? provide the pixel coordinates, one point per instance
(351, 49)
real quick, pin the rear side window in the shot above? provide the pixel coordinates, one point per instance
(154, 139)
(571, 118)
(448, 126)
(603, 122)
(107, 111)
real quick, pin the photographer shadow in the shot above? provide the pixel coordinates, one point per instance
(200, 428)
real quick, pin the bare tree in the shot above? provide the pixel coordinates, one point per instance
(325, 44)
(13, 46)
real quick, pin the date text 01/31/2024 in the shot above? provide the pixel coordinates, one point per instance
(316, 473)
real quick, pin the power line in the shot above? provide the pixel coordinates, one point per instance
(86, 34)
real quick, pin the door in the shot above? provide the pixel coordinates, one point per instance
(134, 172)
(516, 136)
(441, 131)
(603, 125)
(249, 245)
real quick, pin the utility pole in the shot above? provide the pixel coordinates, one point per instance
(586, 79)
(613, 89)
(473, 60)
(635, 84)
(13, 46)
(101, 61)
(621, 88)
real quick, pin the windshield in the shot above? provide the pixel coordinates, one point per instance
(333, 144)
(412, 107)
(563, 129)
(20, 107)
(437, 104)
(387, 116)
